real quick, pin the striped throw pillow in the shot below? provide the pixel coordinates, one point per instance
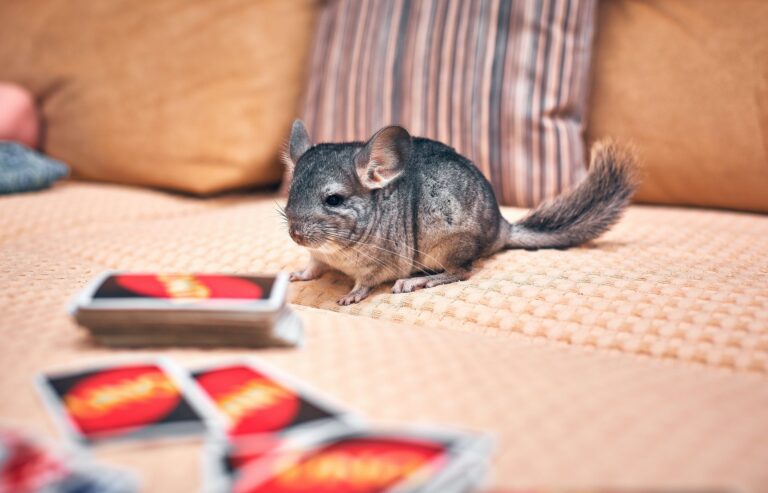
(502, 81)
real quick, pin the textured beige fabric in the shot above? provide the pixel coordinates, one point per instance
(671, 283)
(637, 361)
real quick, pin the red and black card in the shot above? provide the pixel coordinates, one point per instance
(30, 465)
(355, 461)
(256, 400)
(122, 290)
(123, 401)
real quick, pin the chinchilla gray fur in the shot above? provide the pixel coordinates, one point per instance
(414, 211)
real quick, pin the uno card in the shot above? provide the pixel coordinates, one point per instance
(29, 465)
(146, 291)
(123, 401)
(26, 465)
(356, 461)
(255, 400)
(224, 457)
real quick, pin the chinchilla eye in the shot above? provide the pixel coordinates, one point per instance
(334, 200)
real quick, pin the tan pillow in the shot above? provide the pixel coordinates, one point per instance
(190, 95)
(688, 83)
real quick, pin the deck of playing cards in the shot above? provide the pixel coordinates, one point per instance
(204, 310)
(353, 461)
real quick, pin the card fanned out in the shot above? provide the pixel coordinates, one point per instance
(265, 432)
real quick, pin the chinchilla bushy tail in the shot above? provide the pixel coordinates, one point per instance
(588, 210)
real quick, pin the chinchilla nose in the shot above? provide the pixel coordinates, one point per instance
(296, 233)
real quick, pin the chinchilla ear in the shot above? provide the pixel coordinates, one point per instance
(384, 157)
(299, 143)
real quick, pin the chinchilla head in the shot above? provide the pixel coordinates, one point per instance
(337, 188)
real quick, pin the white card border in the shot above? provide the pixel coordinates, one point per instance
(273, 304)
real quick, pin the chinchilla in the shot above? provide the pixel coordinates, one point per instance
(414, 211)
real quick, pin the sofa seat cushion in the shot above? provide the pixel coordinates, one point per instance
(676, 284)
(638, 361)
(561, 417)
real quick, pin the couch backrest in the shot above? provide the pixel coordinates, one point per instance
(688, 83)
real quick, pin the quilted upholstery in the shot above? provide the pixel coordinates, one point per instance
(638, 361)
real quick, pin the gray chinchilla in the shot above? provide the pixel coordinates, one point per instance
(414, 211)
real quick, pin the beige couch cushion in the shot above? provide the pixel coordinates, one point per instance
(195, 96)
(688, 83)
(670, 283)
(637, 361)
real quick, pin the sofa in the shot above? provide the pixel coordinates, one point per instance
(637, 362)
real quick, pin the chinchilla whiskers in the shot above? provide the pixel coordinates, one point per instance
(356, 245)
(346, 254)
(332, 233)
(281, 212)
(416, 263)
(377, 261)
(414, 250)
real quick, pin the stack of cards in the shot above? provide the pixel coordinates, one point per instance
(138, 310)
(266, 432)
(30, 466)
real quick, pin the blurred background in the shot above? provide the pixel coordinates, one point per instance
(198, 96)
(147, 135)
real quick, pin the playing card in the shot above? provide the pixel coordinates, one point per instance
(146, 399)
(181, 291)
(255, 399)
(30, 466)
(354, 461)
(25, 465)
(94, 479)
(224, 458)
